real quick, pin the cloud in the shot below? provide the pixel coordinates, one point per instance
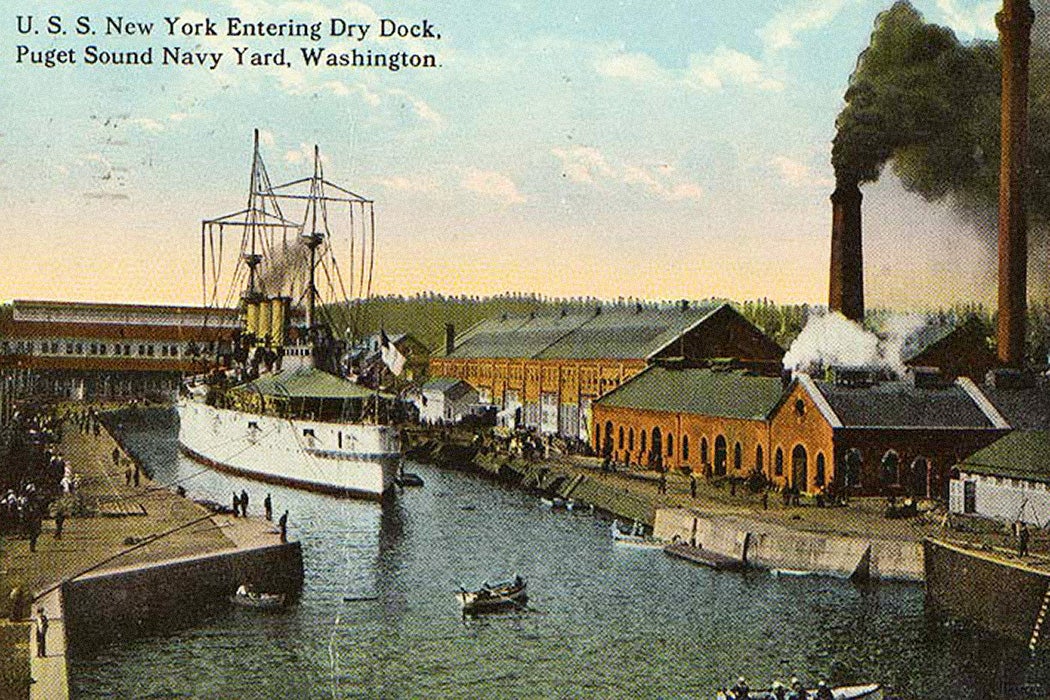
(421, 108)
(798, 174)
(409, 183)
(266, 137)
(303, 154)
(588, 165)
(147, 124)
(781, 32)
(582, 163)
(725, 66)
(978, 19)
(492, 184)
(637, 67)
(713, 71)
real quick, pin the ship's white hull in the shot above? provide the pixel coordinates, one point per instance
(352, 459)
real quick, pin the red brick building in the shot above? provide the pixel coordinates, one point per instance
(554, 367)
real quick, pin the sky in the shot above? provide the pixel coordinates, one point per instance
(662, 150)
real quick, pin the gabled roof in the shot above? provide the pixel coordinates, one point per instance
(1023, 454)
(899, 404)
(934, 332)
(449, 386)
(625, 333)
(1025, 408)
(611, 333)
(307, 382)
(732, 394)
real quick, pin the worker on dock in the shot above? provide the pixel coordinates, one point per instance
(740, 691)
(824, 692)
(41, 633)
(283, 524)
(244, 503)
(268, 507)
(779, 691)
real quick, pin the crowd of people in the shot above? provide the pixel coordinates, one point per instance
(795, 690)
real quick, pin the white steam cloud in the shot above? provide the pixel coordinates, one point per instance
(831, 339)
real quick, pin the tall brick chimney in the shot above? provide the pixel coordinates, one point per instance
(1015, 24)
(846, 282)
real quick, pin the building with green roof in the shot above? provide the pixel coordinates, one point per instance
(553, 367)
(1008, 480)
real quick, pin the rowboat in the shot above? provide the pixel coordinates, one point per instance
(872, 691)
(259, 601)
(634, 538)
(494, 596)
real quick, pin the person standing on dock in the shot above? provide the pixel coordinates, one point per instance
(283, 524)
(268, 507)
(136, 475)
(116, 455)
(244, 503)
(41, 633)
(692, 485)
(1022, 539)
(60, 519)
(236, 505)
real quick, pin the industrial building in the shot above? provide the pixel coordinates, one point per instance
(83, 349)
(554, 367)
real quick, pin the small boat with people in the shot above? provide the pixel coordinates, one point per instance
(635, 537)
(248, 597)
(494, 596)
(795, 690)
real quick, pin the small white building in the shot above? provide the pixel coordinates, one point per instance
(446, 400)
(1009, 480)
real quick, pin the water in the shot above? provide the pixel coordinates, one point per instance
(606, 622)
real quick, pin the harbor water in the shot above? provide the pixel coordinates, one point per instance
(378, 618)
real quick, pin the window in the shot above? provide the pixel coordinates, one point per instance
(670, 445)
(127, 349)
(703, 450)
(149, 350)
(308, 432)
(142, 349)
(69, 348)
(818, 479)
(102, 349)
(164, 350)
(643, 442)
(80, 348)
(685, 447)
(758, 459)
(720, 455)
(800, 407)
(778, 463)
(890, 463)
(621, 437)
(738, 460)
(630, 439)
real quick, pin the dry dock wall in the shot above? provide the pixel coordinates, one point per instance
(996, 594)
(770, 546)
(157, 597)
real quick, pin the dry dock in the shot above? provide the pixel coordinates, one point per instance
(147, 559)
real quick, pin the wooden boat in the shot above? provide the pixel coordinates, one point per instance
(633, 538)
(260, 601)
(872, 691)
(409, 479)
(555, 503)
(494, 596)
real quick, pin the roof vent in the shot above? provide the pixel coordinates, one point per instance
(928, 378)
(854, 376)
(685, 304)
(638, 307)
(1009, 378)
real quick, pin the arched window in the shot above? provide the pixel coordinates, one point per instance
(621, 437)
(630, 439)
(758, 459)
(685, 447)
(607, 446)
(778, 463)
(919, 477)
(890, 464)
(738, 459)
(643, 443)
(799, 468)
(818, 478)
(703, 450)
(854, 461)
(670, 445)
(720, 455)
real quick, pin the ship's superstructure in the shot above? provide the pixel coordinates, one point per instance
(276, 404)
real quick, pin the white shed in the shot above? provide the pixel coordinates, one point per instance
(1009, 480)
(446, 400)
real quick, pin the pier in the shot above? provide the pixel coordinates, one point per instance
(148, 557)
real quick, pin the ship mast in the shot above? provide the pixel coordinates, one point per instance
(252, 258)
(314, 236)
